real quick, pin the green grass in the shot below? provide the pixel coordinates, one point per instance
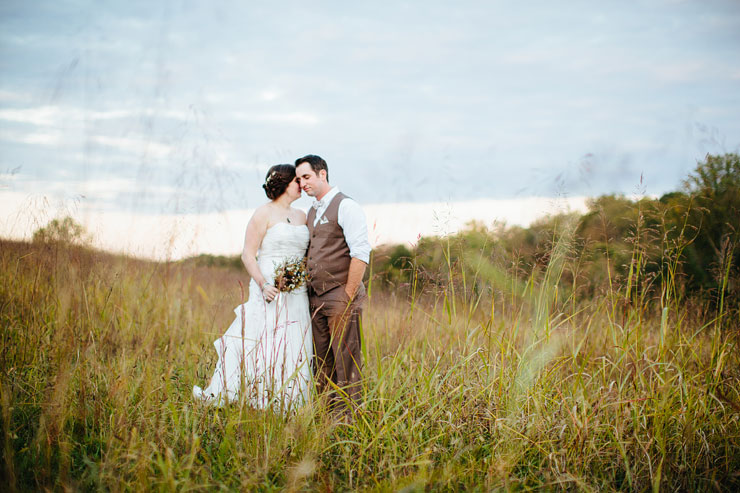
(518, 387)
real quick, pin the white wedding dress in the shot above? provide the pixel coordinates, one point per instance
(268, 344)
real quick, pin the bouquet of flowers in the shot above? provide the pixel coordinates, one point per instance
(290, 274)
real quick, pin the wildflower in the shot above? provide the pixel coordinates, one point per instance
(290, 274)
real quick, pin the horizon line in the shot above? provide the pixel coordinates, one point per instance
(168, 236)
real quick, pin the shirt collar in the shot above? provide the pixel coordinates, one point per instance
(327, 198)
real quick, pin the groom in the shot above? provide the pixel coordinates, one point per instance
(338, 253)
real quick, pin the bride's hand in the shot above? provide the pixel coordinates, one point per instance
(269, 291)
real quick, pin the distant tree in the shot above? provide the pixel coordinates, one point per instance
(400, 257)
(677, 208)
(714, 189)
(65, 230)
(400, 263)
(208, 260)
(688, 240)
(603, 232)
(609, 218)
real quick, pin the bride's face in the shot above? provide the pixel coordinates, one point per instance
(294, 190)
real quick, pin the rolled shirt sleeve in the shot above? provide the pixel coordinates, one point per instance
(351, 218)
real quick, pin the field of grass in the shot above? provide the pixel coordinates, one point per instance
(515, 387)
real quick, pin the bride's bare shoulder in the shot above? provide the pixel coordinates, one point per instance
(299, 215)
(261, 215)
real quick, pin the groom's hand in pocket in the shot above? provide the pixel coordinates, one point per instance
(350, 295)
(354, 278)
(357, 297)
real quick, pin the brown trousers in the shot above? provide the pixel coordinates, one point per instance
(337, 351)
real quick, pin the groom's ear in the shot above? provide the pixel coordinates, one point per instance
(322, 174)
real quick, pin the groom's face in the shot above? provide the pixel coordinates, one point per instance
(314, 185)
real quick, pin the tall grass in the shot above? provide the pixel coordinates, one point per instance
(481, 381)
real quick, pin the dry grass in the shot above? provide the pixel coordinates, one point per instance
(514, 388)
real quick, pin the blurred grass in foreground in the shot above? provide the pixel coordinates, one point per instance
(483, 382)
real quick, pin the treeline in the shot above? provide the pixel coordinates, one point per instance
(685, 241)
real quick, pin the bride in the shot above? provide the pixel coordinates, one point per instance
(266, 351)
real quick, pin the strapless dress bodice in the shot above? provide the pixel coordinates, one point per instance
(282, 241)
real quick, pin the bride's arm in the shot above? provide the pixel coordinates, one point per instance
(256, 229)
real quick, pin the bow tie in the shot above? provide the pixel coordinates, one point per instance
(317, 204)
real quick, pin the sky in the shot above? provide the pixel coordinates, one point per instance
(168, 114)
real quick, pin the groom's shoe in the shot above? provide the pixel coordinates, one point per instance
(342, 418)
(347, 413)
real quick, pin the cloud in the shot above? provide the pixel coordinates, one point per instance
(104, 188)
(64, 115)
(102, 194)
(270, 95)
(131, 145)
(125, 145)
(56, 125)
(40, 138)
(136, 113)
(42, 115)
(295, 118)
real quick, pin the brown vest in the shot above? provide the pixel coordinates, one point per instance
(328, 253)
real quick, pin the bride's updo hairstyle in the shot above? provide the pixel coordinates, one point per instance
(277, 180)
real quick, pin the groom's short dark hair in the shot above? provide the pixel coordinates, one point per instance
(317, 163)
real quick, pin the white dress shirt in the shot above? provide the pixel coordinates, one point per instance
(351, 219)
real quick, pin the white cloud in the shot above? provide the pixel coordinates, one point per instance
(386, 225)
(42, 115)
(296, 118)
(135, 113)
(49, 138)
(95, 191)
(95, 159)
(46, 138)
(270, 95)
(132, 145)
(64, 115)
(108, 188)
(103, 188)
